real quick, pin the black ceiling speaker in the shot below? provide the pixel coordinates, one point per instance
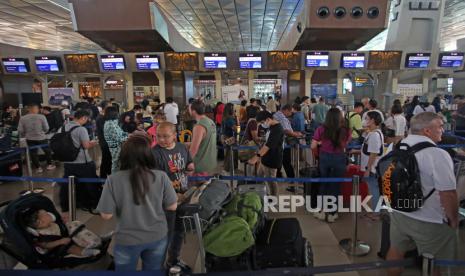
(323, 12)
(357, 12)
(373, 12)
(339, 12)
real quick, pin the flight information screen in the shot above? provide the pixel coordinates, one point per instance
(112, 62)
(250, 61)
(353, 60)
(16, 65)
(317, 59)
(450, 59)
(417, 60)
(215, 61)
(48, 64)
(147, 62)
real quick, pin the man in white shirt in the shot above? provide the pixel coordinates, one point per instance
(171, 111)
(431, 229)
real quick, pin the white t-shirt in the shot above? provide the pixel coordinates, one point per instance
(436, 171)
(374, 143)
(171, 111)
(398, 123)
(365, 115)
(418, 109)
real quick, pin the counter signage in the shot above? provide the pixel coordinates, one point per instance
(48, 64)
(417, 60)
(215, 61)
(450, 59)
(147, 62)
(16, 65)
(250, 61)
(317, 59)
(113, 62)
(353, 60)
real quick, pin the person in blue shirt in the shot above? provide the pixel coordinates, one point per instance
(298, 118)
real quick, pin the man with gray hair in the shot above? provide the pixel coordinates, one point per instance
(432, 228)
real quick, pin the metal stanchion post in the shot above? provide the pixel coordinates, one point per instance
(198, 230)
(297, 166)
(231, 166)
(29, 168)
(72, 198)
(353, 246)
(428, 265)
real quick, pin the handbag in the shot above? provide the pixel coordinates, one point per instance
(246, 154)
(390, 132)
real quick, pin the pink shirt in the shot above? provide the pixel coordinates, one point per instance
(327, 145)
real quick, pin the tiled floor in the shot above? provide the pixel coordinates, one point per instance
(324, 237)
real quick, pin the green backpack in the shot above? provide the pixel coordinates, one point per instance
(229, 238)
(247, 206)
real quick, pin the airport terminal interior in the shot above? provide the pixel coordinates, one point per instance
(238, 105)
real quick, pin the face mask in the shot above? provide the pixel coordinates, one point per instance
(265, 125)
(54, 218)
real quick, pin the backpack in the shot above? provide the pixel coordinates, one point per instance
(56, 119)
(365, 145)
(63, 147)
(400, 177)
(212, 196)
(247, 206)
(231, 237)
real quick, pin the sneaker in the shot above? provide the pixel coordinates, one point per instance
(320, 215)
(51, 167)
(332, 217)
(39, 170)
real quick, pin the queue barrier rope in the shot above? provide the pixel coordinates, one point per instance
(449, 263)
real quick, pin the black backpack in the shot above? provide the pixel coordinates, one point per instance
(63, 147)
(400, 178)
(56, 120)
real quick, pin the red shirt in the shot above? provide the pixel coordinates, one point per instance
(219, 114)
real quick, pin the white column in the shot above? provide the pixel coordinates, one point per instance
(129, 91)
(308, 82)
(76, 90)
(340, 81)
(251, 77)
(218, 85)
(44, 82)
(161, 81)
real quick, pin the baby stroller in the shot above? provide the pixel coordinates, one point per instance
(18, 242)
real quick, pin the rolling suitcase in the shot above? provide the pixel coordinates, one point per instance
(260, 189)
(346, 188)
(281, 244)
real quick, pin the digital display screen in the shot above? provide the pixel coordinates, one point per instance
(317, 59)
(384, 60)
(353, 60)
(417, 60)
(214, 61)
(147, 62)
(16, 65)
(48, 64)
(250, 61)
(113, 62)
(450, 59)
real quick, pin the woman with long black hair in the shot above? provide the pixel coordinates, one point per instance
(332, 138)
(138, 196)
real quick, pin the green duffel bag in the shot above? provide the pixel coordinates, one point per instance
(247, 206)
(231, 237)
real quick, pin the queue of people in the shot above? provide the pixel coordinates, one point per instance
(147, 169)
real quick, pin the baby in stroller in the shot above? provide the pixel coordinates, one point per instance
(41, 224)
(32, 217)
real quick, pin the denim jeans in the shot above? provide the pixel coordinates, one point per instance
(373, 187)
(152, 255)
(332, 165)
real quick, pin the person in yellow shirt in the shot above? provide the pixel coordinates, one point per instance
(354, 119)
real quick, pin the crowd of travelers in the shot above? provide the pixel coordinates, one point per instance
(146, 166)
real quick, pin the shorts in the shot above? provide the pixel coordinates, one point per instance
(407, 233)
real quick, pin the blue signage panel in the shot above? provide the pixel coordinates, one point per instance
(250, 61)
(215, 61)
(317, 59)
(417, 60)
(450, 59)
(327, 91)
(113, 62)
(353, 60)
(147, 62)
(16, 65)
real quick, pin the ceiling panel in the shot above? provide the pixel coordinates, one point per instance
(233, 25)
(41, 24)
